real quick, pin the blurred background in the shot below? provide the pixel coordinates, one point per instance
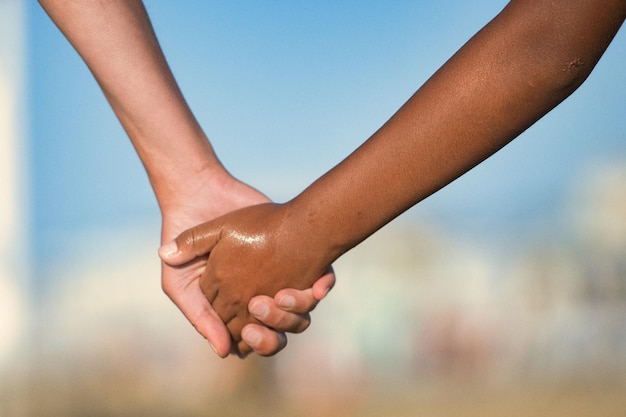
(504, 294)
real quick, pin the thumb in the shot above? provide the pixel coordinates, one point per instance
(190, 244)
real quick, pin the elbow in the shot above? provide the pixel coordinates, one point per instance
(557, 77)
(558, 45)
(570, 74)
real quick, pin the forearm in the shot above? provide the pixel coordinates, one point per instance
(117, 42)
(522, 64)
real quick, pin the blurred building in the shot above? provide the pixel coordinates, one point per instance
(416, 313)
(14, 230)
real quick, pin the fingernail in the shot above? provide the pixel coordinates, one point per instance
(168, 250)
(259, 309)
(251, 336)
(326, 291)
(287, 301)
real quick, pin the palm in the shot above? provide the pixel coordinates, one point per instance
(181, 283)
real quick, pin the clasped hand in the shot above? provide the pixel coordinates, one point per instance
(256, 250)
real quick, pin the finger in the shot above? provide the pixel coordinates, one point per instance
(304, 301)
(208, 324)
(194, 305)
(191, 243)
(322, 286)
(234, 326)
(264, 341)
(295, 301)
(239, 346)
(242, 349)
(265, 310)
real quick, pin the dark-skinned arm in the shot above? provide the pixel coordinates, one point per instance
(521, 65)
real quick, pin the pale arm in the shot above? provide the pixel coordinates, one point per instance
(116, 40)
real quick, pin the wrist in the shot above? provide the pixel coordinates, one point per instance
(317, 225)
(176, 186)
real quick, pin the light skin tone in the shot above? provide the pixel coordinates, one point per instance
(117, 42)
(530, 58)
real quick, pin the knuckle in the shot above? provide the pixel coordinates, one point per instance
(293, 324)
(283, 322)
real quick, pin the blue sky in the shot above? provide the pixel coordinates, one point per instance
(285, 90)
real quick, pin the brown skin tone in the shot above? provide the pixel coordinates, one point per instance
(280, 254)
(530, 58)
(117, 42)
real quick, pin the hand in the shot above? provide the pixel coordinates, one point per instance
(253, 251)
(273, 312)
(206, 201)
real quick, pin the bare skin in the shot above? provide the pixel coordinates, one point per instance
(117, 42)
(526, 61)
